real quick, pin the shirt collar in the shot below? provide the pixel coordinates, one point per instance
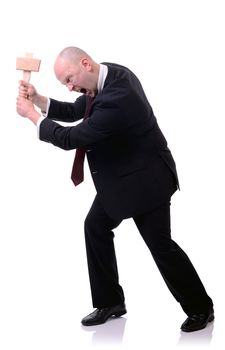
(103, 71)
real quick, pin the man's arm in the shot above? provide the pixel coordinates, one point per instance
(68, 112)
(120, 108)
(112, 113)
(61, 111)
(41, 102)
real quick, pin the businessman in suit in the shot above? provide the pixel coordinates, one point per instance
(133, 172)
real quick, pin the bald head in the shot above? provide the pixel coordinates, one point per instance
(76, 69)
(73, 54)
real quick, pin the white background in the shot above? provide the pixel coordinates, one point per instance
(176, 47)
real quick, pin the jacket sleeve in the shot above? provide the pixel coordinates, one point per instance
(119, 109)
(67, 111)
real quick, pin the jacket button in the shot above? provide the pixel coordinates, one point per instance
(94, 172)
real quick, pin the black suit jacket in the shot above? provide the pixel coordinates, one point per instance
(131, 166)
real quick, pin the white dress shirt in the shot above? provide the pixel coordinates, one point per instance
(103, 71)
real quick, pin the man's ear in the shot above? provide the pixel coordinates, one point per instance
(86, 64)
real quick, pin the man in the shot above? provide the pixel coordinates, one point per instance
(133, 172)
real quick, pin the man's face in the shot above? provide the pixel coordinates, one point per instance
(76, 76)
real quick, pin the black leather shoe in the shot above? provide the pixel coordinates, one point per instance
(197, 321)
(100, 316)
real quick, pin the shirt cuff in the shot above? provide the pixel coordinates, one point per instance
(38, 125)
(44, 115)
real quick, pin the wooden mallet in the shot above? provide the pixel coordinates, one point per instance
(28, 64)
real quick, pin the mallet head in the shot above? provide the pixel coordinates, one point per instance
(28, 64)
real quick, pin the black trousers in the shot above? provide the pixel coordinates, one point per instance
(174, 265)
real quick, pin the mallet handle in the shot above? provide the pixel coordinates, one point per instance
(26, 75)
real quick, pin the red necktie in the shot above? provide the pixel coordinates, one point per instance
(77, 175)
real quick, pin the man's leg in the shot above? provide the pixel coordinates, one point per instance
(101, 257)
(174, 265)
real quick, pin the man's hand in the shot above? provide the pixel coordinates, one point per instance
(27, 90)
(26, 109)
